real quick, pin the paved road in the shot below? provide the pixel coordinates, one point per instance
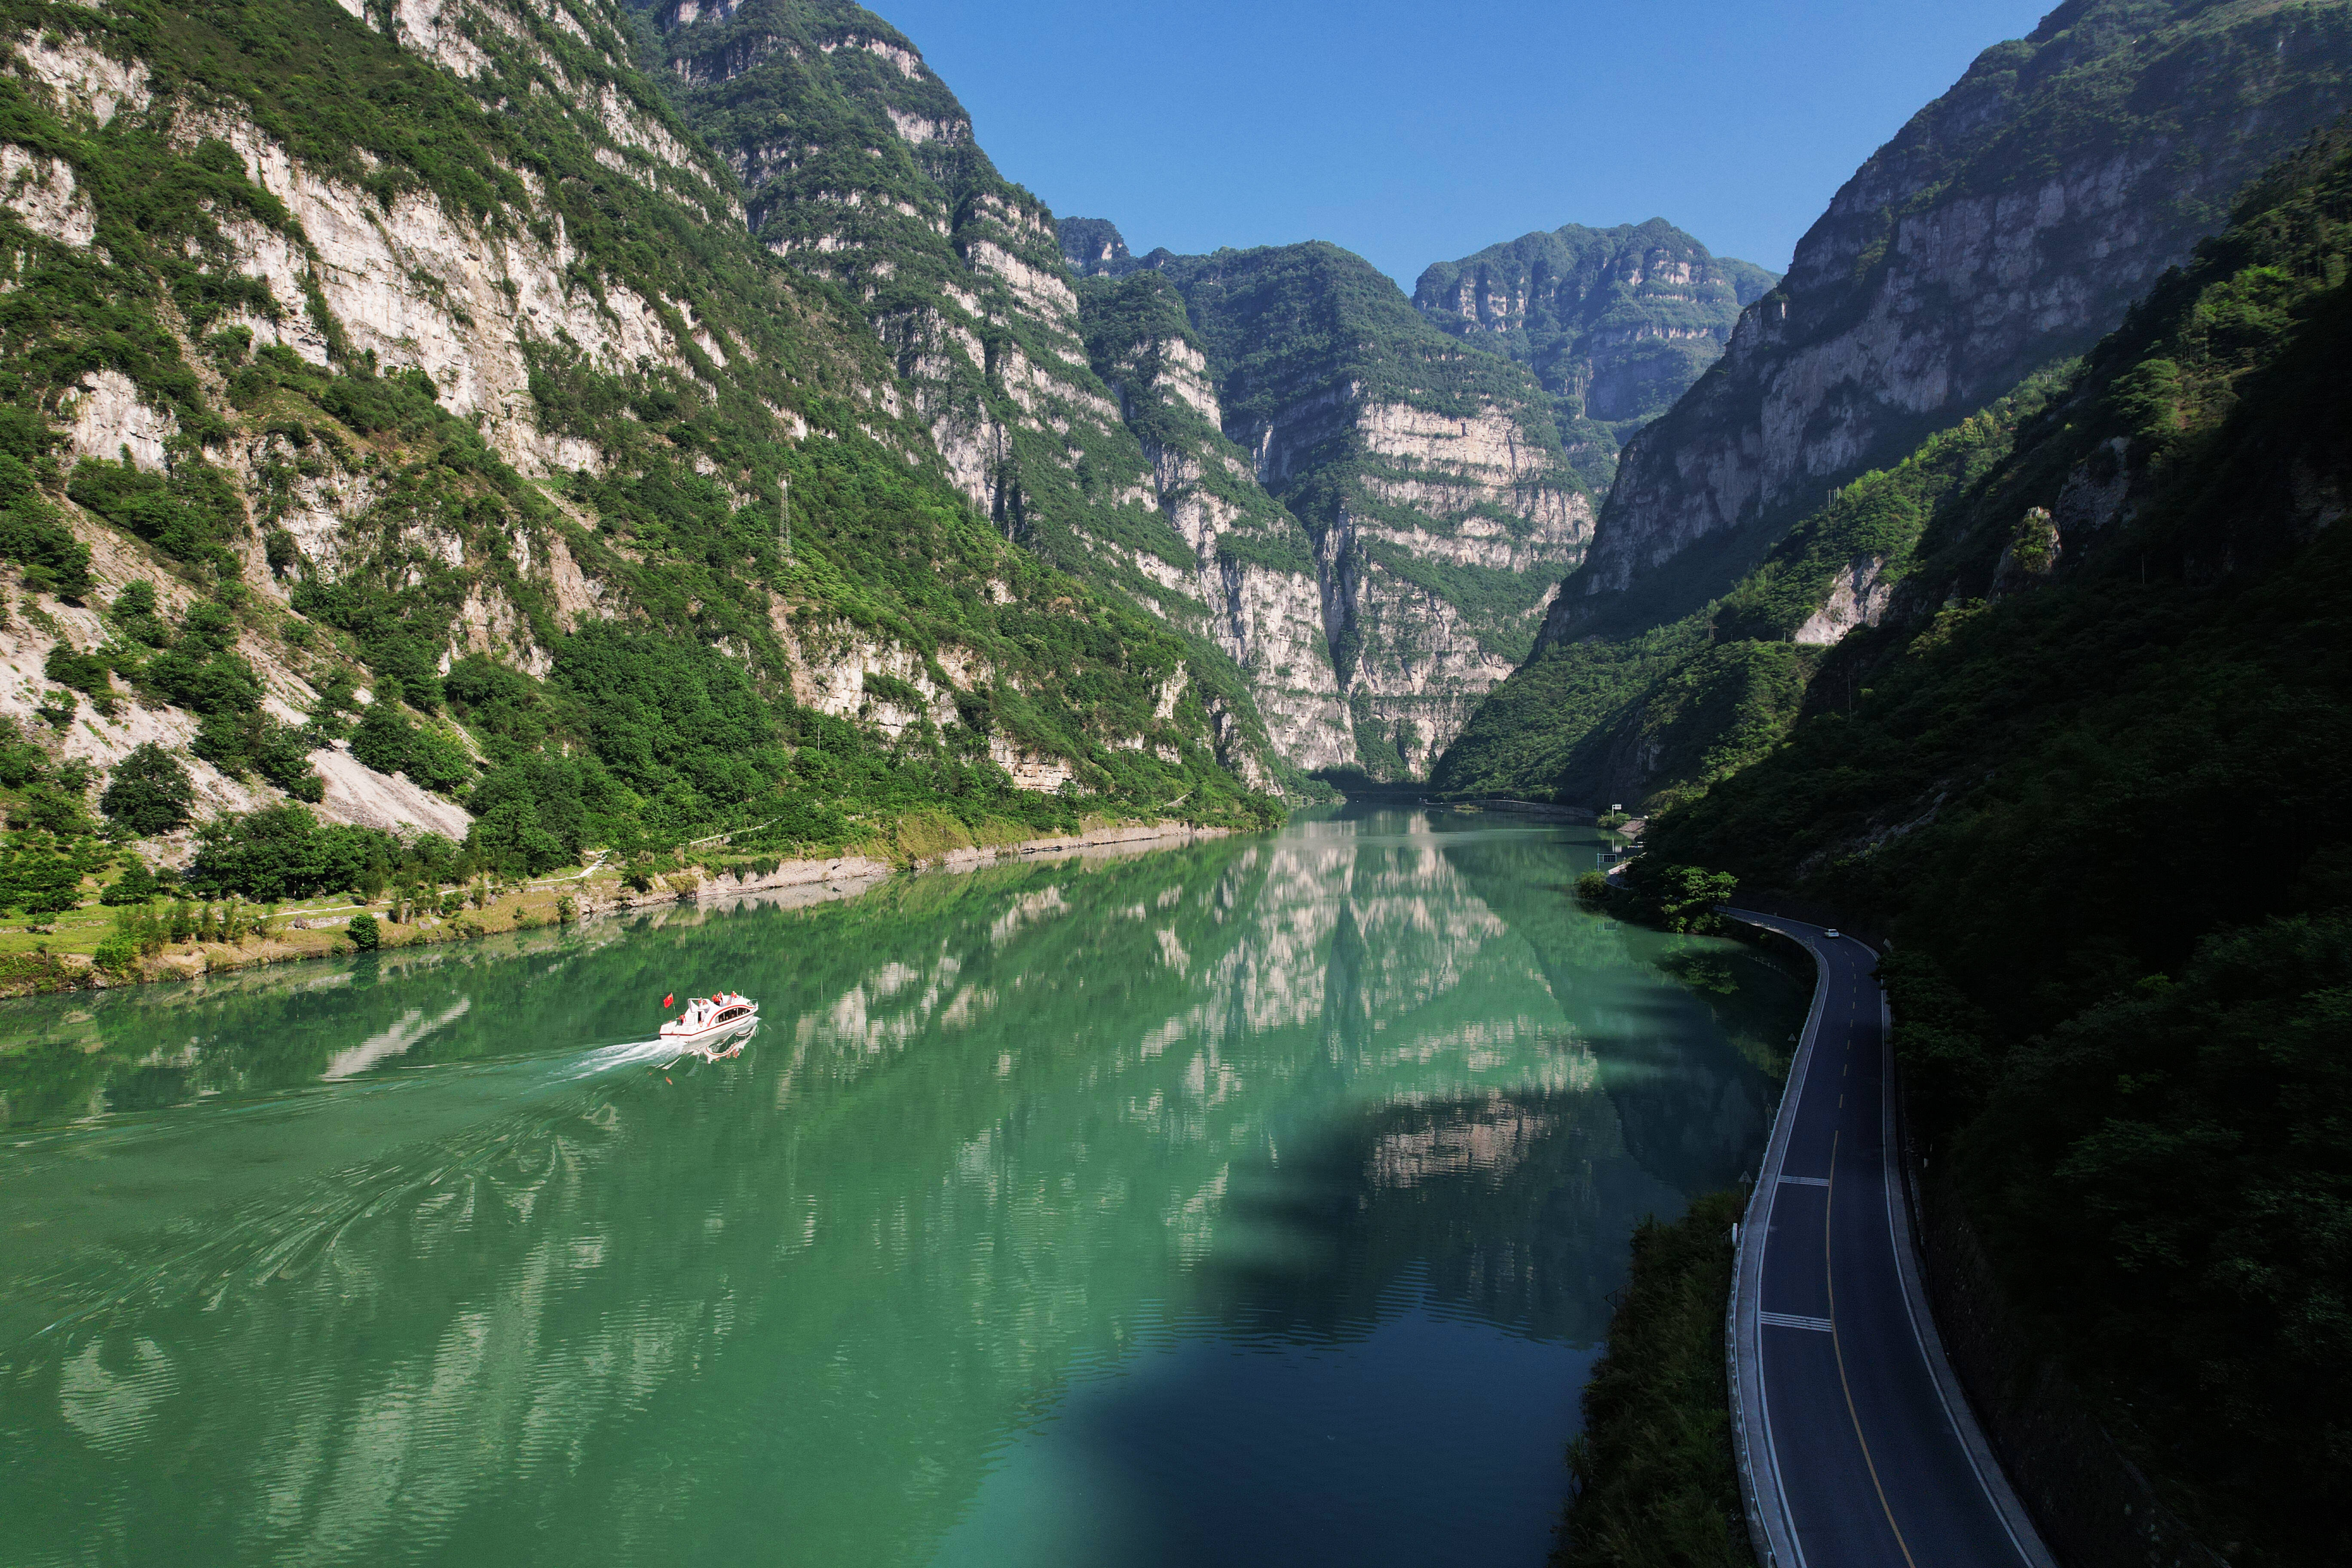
(1858, 1443)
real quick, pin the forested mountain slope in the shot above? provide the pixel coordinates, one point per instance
(2095, 765)
(1616, 323)
(2000, 232)
(2008, 225)
(859, 168)
(428, 354)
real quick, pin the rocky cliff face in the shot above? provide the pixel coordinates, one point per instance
(2008, 225)
(1616, 323)
(428, 336)
(338, 256)
(859, 167)
(1422, 492)
(1253, 564)
(1112, 446)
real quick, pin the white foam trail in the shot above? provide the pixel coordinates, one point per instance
(607, 1057)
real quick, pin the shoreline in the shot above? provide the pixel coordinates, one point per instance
(592, 895)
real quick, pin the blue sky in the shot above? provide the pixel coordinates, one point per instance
(1417, 134)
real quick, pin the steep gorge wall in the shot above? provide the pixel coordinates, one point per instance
(859, 167)
(1251, 563)
(489, 361)
(315, 257)
(1422, 490)
(2007, 226)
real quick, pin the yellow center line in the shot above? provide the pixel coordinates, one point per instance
(1838, 1347)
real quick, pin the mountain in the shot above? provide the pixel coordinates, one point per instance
(1616, 323)
(2007, 226)
(859, 168)
(430, 352)
(2130, 620)
(1094, 248)
(1253, 565)
(1428, 476)
(1355, 522)
(2004, 229)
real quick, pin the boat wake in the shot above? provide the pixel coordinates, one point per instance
(656, 1053)
(605, 1058)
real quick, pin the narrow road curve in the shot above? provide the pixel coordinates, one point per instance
(1857, 1446)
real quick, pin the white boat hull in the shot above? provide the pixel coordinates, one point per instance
(731, 1021)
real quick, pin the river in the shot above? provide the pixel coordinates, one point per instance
(1253, 1202)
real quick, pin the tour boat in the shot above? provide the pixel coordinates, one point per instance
(710, 1019)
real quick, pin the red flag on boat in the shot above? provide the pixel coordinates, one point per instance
(668, 999)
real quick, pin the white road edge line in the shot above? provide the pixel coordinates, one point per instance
(1770, 1526)
(1902, 1235)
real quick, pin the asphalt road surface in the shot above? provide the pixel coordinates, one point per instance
(1858, 1442)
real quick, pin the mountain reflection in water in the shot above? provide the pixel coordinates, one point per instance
(1247, 1202)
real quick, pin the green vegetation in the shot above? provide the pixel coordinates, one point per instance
(1656, 1483)
(1702, 697)
(31, 534)
(928, 245)
(149, 792)
(2128, 1060)
(192, 513)
(51, 845)
(1676, 898)
(281, 852)
(2176, 102)
(438, 587)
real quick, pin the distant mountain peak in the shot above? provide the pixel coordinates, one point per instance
(1094, 248)
(1617, 322)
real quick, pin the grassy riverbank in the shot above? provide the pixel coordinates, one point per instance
(62, 954)
(1656, 1484)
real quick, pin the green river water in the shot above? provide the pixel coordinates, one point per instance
(1253, 1202)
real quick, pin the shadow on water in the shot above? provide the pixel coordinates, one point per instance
(1221, 1205)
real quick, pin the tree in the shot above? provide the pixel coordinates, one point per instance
(365, 935)
(1680, 898)
(237, 744)
(281, 852)
(384, 739)
(149, 792)
(137, 885)
(438, 762)
(509, 836)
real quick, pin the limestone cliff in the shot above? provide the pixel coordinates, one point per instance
(1428, 476)
(1616, 323)
(1254, 564)
(429, 344)
(859, 168)
(2007, 226)
(1112, 448)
